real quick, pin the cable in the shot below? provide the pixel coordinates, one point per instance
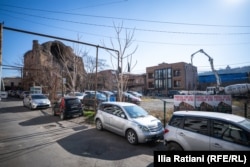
(131, 19)
(140, 41)
(129, 28)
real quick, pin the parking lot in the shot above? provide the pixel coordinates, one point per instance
(36, 138)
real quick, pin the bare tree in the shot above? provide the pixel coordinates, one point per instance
(70, 67)
(20, 63)
(123, 45)
(90, 67)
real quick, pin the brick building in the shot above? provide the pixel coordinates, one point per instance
(107, 80)
(12, 83)
(175, 76)
(53, 66)
(136, 82)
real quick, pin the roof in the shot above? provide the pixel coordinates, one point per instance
(222, 116)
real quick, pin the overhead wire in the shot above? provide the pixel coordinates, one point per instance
(131, 19)
(141, 41)
(128, 28)
(138, 29)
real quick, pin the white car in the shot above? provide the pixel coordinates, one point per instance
(36, 101)
(207, 131)
(3, 94)
(129, 120)
(79, 95)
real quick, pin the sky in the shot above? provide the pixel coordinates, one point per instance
(167, 31)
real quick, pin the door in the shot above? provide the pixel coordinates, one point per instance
(194, 135)
(118, 120)
(226, 136)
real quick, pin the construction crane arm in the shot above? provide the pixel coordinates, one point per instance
(211, 64)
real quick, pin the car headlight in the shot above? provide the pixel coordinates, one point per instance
(143, 128)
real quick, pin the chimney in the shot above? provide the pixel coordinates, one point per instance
(35, 45)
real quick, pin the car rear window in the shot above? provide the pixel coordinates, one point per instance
(73, 101)
(198, 125)
(176, 121)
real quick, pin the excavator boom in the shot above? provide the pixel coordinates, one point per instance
(211, 64)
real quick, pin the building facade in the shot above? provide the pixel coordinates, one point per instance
(12, 83)
(227, 76)
(107, 80)
(136, 82)
(53, 66)
(175, 76)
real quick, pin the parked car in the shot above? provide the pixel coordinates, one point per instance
(68, 106)
(89, 100)
(3, 94)
(207, 131)
(137, 94)
(18, 93)
(12, 93)
(36, 101)
(131, 98)
(171, 93)
(129, 120)
(110, 96)
(79, 95)
(24, 94)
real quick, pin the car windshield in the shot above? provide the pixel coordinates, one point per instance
(245, 123)
(39, 97)
(135, 111)
(100, 96)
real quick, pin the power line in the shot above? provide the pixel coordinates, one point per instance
(60, 38)
(129, 28)
(141, 41)
(131, 19)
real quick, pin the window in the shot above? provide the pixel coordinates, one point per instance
(177, 83)
(159, 79)
(197, 125)
(106, 108)
(176, 121)
(177, 73)
(169, 83)
(117, 111)
(150, 75)
(169, 73)
(230, 133)
(150, 85)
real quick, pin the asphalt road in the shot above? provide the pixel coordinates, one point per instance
(36, 138)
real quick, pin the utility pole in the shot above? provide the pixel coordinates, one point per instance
(1, 46)
(96, 68)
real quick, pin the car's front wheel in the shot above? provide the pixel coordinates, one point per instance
(132, 136)
(98, 124)
(174, 147)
